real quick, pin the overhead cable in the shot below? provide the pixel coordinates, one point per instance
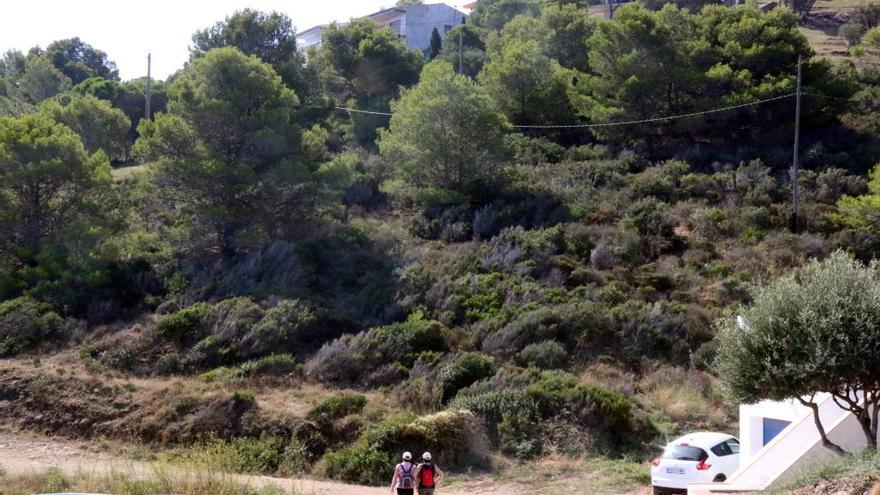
(613, 124)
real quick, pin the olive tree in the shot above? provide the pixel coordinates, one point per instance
(811, 332)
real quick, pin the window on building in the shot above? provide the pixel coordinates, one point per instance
(447, 28)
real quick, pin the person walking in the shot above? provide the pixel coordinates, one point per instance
(428, 475)
(404, 481)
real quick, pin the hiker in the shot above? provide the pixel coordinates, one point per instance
(404, 476)
(428, 475)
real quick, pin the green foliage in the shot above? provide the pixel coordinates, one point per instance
(48, 185)
(436, 44)
(41, 80)
(852, 33)
(99, 125)
(555, 392)
(26, 324)
(464, 370)
(182, 324)
(453, 437)
(221, 104)
(337, 407)
(495, 14)
(446, 134)
(377, 356)
(548, 354)
(528, 85)
(270, 37)
(79, 61)
(364, 65)
(629, 53)
(807, 332)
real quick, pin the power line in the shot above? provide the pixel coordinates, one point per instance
(613, 124)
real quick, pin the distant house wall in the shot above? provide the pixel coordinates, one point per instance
(413, 24)
(310, 37)
(421, 20)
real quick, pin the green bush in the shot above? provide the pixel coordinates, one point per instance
(556, 392)
(379, 356)
(26, 323)
(287, 326)
(465, 369)
(273, 364)
(337, 407)
(454, 437)
(548, 354)
(180, 325)
(492, 407)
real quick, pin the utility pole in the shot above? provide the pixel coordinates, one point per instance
(149, 92)
(461, 49)
(795, 166)
(609, 3)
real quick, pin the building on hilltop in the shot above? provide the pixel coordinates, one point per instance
(413, 23)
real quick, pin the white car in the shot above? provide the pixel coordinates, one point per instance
(701, 457)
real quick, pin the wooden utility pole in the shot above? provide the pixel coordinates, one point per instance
(795, 166)
(461, 49)
(149, 91)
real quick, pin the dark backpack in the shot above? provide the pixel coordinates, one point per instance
(406, 476)
(427, 476)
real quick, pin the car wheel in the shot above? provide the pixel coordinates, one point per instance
(659, 491)
(719, 479)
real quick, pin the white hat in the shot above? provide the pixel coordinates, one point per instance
(407, 456)
(426, 456)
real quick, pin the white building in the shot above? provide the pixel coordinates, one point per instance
(779, 439)
(414, 24)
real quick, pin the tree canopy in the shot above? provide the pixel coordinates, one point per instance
(446, 133)
(79, 60)
(814, 331)
(270, 37)
(98, 124)
(228, 144)
(47, 184)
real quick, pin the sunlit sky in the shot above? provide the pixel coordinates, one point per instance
(127, 29)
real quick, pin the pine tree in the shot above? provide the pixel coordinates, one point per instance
(436, 44)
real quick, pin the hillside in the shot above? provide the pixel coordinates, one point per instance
(518, 254)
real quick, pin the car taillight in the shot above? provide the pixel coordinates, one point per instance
(702, 466)
(655, 461)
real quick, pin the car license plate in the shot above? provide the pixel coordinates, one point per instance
(675, 470)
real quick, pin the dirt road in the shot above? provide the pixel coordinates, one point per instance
(25, 454)
(22, 453)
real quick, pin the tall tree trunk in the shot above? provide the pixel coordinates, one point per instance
(826, 442)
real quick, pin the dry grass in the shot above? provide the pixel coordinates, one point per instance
(161, 480)
(128, 172)
(687, 398)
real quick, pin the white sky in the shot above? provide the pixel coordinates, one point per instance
(127, 29)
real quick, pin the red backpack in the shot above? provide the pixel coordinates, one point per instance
(427, 476)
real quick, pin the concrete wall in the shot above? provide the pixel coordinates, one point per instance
(422, 19)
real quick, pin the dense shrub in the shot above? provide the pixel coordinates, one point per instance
(570, 323)
(493, 406)
(556, 392)
(548, 354)
(455, 438)
(25, 324)
(464, 370)
(180, 325)
(378, 356)
(290, 325)
(337, 407)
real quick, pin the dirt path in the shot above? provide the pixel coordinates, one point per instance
(23, 455)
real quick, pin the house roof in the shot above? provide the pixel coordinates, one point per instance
(318, 28)
(388, 11)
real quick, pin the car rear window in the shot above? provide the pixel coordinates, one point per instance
(685, 453)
